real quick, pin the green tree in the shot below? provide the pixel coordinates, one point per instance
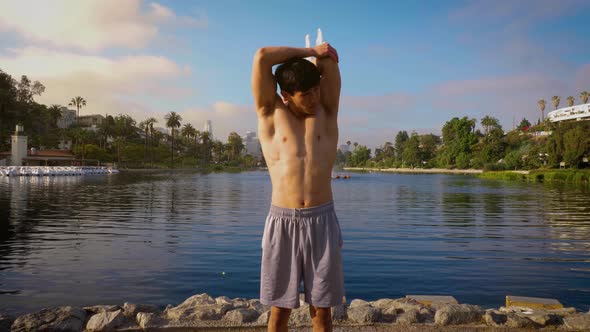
(77, 102)
(206, 146)
(411, 151)
(428, 146)
(584, 95)
(458, 139)
(360, 156)
(400, 140)
(488, 123)
(172, 121)
(235, 145)
(524, 124)
(26, 90)
(577, 144)
(124, 130)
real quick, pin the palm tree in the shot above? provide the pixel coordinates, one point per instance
(149, 129)
(541, 103)
(188, 131)
(172, 121)
(54, 114)
(78, 102)
(488, 122)
(584, 95)
(555, 100)
(205, 141)
(570, 101)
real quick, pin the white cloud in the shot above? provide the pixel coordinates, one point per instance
(104, 82)
(89, 25)
(225, 117)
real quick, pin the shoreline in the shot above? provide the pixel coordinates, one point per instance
(415, 170)
(202, 312)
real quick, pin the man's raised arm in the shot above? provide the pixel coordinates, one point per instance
(330, 84)
(264, 86)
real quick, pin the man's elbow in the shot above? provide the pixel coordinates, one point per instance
(261, 54)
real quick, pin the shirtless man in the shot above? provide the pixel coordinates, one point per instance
(298, 133)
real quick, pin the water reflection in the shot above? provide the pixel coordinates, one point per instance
(160, 237)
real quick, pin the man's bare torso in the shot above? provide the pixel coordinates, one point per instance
(299, 153)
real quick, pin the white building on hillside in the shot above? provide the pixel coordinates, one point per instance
(577, 113)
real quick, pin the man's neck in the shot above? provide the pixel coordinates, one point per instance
(298, 113)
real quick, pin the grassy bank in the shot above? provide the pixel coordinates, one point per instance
(573, 176)
(413, 170)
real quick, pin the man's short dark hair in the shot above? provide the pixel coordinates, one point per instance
(297, 74)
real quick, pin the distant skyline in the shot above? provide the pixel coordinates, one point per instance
(406, 65)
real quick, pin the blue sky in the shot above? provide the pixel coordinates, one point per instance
(405, 65)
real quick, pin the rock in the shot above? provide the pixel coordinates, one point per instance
(562, 312)
(223, 300)
(258, 306)
(147, 320)
(240, 303)
(411, 316)
(382, 303)
(55, 319)
(5, 322)
(406, 304)
(198, 307)
(198, 312)
(579, 322)
(363, 314)
(495, 318)
(106, 321)
(199, 299)
(300, 316)
(339, 312)
(429, 300)
(263, 318)
(389, 315)
(240, 316)
(518, 321)
(426, 315)
(540, 319)
(357, 302)
(131, 310)
(458, 314)
(96, 309)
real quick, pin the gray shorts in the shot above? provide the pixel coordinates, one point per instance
(302, 244)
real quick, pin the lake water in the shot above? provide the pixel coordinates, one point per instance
(160, 237)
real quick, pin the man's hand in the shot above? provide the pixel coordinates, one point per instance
(325, 50)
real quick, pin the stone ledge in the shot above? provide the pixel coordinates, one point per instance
(204, 313)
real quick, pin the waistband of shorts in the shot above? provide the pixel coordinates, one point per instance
(309, 212)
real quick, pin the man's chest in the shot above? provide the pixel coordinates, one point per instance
(300, 137)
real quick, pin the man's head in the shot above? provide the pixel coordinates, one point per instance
(299, 81)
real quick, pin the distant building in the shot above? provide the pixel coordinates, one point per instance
(576, 113)
(20, 155)
(93, 120)
(252, 144)
(343, 148)
(208, 128)
(67, 118)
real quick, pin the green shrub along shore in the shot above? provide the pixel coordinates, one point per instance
(569, 176)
